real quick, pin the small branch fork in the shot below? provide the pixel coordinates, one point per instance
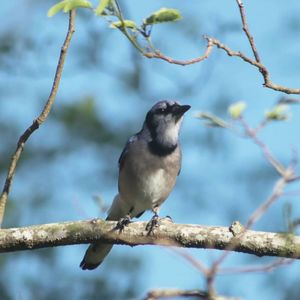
(287, 175)
(211, 42)
(39, 120)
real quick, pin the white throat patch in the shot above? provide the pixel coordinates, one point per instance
(170, 133)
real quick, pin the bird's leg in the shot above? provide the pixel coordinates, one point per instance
(124, 221)
(154, 220)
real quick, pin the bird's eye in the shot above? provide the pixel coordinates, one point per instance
(161, 110)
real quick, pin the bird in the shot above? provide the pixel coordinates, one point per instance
(148, 167)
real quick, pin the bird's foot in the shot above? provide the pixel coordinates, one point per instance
(168, 219)
(122, 223)
(94, 221)
(153, 223)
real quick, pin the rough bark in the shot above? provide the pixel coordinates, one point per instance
(167, 234)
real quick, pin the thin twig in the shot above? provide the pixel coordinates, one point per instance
(246, 30)
(211, 42)
(193, 261)
(295, 178)
(170, 60)
(124, 29)
(287, 175)
(39, 120)
(214, 42)
(261, 126)
(262, 69)
(271, 159)
(254, 269)
(277, 192)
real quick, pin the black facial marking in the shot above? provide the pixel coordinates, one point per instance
(161, 149)
(154, 117)
(150, 124)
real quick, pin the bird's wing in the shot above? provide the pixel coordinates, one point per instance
(125, 150)
(180, 160)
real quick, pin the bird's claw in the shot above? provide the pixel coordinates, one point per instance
(154, 222)
(168, 219)
(122, 223)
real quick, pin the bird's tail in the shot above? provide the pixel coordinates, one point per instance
(94, 255)
(96, 252)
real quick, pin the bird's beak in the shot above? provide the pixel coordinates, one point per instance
(179, 110)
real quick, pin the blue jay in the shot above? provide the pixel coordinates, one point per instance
(148, 168)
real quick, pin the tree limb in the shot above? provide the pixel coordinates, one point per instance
(172, 293)
(176, 293)
(167, 234)
(39, 120)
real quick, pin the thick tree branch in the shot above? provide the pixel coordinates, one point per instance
(167, 234)
(176, 293)
(39, 120)
(160, 294)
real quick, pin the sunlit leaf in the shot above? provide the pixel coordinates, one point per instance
(212, 120)
(236, 110)
(163, 15)
(67, 5)
(127, 23)
(278, 113)
(102, 5)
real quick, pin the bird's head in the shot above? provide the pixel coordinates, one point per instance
(164, 121)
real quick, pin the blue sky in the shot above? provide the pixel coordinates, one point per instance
(215, 186)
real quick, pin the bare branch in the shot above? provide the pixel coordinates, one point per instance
(211, 42)
(276, 193)
(192, 260)
(39, 120)
(170, 60)
(171, 293)
(260, 211)
(267, 153)
(246, 30)
(279, 262)
(167, 234)
(151, 52)
(262, 69)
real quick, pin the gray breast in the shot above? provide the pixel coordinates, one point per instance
(146, 178)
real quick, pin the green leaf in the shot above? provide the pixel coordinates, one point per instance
(163, 15)
(127, 23)
(67, 5)
(278, 113)
(212, 120)
(102, 5)
(236, 110)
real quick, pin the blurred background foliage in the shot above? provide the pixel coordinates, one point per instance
(105, 92)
